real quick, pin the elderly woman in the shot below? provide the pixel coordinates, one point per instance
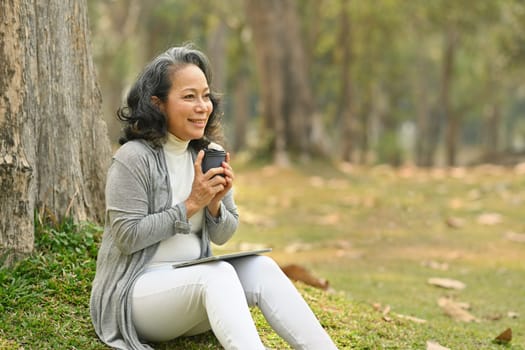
(161, 209)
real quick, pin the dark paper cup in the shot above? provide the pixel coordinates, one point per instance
(212, 159)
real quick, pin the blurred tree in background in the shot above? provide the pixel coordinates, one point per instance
(388, 81)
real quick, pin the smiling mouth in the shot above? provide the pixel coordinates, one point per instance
(199, 122)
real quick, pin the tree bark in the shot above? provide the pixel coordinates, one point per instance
(16, 172)
(217, 47)
(452, 126)
(241, 111)
(346, 96)
(241, 88)
(422, 114)
(299, 107)
(54, 149)
(492, 132)
(265, 22)
(120, 53)
(366, 112)
(282, 62)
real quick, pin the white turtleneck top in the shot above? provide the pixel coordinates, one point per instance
(180, 247)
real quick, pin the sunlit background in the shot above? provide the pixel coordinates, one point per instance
(387, 81)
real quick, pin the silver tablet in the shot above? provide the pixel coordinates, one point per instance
(228, 256)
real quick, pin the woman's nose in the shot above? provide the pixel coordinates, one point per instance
(202, 105)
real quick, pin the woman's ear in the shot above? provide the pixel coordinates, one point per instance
(157, 102)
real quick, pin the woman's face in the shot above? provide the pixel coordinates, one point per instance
(188, 104)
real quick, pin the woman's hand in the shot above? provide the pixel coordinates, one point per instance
(208, 189)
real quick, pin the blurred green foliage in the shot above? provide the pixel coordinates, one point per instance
(397, 69)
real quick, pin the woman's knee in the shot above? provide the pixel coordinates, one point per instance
(267, 264)
(263, 267)
(220, 272)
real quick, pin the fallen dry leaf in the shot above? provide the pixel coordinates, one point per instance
(251, 218)
(271, 170)
(446, 283)
(347, 167)
(407, 172)
(376, 306)
(435, 346)
(438, 173)
(317, 181)
(456, 203)
(338, 184)
(453, 222)
(489, 219)
(515, 237)
(412, 318)
(505, 337)
(456, 310)
(386, 310)
(368, 202)
(342, 243)
(281, 201)
(520, 168)
(458, 172)
(252, 246)
(297, 247)
(494, 317)
(299, 273)
(489, 169)
(435, 265)
(463, 305)
(330, 219)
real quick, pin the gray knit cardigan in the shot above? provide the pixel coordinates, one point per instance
(139, 215)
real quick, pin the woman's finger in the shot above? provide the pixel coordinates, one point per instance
(210, 174)
(198, 162)
(217, 180)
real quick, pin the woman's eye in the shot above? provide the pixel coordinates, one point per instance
(190, 96)
(207, 96)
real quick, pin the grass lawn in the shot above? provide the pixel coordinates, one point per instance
(376, 234)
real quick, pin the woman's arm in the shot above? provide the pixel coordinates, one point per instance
(128, 205)
(222, 228)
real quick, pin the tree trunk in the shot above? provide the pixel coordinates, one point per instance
(241, 110)
(120, 53)
(492, 126)
(54, 149)
(492, 132)
(217, 41)
(16, 172)
(422, 113)
(241, 91)
(452, 128)
(346, 96)
(453, 131)
(282, 63)
(266, 24)
(299, 102)
(366, 112)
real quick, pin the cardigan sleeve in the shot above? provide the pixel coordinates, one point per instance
(128, 201)
(222, 228)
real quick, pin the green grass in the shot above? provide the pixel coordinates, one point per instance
(370, 232)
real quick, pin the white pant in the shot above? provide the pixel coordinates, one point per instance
(168, 303)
